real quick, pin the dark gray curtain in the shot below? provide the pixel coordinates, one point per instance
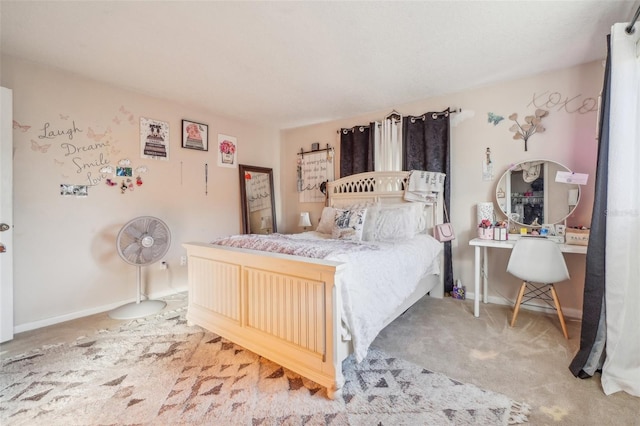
(426, 146)
(356, 150)
(593, 334)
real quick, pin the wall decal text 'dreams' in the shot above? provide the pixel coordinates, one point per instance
(531, 125)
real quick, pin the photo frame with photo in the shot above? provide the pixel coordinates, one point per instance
(195, 135)
(548, 229)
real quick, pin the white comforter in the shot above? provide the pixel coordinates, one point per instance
(378, 277)
(376, 282)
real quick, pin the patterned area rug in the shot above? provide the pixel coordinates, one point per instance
(161, 371)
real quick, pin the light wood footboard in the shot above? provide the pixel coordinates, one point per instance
(285, 308)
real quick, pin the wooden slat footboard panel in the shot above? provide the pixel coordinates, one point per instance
(287, 307)
(221, 294)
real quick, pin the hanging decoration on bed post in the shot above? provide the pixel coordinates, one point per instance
(314, 168)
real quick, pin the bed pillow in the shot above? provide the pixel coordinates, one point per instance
(370, 222)
(398, 222)
(326, 220)
(348, 224)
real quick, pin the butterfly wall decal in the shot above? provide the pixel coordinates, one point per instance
(493, 118)
(18, 126)
(96, 136)
(64, 117)
(58, 162)
(123, 110)
(116, 120)
(39, 148)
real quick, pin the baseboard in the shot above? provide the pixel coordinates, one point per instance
(569, 313)
(86, 312)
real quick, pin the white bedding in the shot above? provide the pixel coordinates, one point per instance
(378, 278)
(376, 282)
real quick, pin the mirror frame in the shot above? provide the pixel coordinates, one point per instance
(244, 169)
(509, 169)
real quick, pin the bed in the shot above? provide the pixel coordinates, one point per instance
(302, 312)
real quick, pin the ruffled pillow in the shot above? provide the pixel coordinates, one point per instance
(348, 224)
(398, 222)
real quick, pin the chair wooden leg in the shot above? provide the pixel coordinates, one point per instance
(559, 309)
(516, 308)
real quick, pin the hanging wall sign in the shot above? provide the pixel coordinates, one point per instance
(314, 168)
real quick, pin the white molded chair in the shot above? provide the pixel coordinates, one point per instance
(539, 263)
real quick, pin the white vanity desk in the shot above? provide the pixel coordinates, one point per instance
(481, 268)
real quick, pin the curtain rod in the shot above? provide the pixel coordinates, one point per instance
(394, 112)
(630, 29)
(303, 152)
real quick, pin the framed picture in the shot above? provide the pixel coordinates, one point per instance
(124, 171)
(154, 139)
(227, 151)
(195, 135)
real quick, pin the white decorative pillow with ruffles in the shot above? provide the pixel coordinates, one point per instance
(398, 222)
(348, 224)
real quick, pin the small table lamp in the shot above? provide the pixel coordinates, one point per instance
(304, 220)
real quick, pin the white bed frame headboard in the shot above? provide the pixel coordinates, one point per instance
(383, 187)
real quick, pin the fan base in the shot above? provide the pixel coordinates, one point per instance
(137, 309)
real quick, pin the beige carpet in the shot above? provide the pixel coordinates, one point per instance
(529, 362)
(161, 371)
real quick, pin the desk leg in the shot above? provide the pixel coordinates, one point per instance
(485, 276)
(476, 298)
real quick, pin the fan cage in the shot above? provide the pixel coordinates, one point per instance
(130, 237)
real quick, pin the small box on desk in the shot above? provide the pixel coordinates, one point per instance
(578, 237)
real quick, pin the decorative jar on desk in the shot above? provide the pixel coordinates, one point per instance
(485, 230)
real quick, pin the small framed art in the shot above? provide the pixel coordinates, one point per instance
(154, 139)
(227, 151)
(195, 135)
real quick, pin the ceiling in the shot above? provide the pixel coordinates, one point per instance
(288, 64)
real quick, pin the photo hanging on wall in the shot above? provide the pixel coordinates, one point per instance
(154, 139)
(227, 151)
(195, 135)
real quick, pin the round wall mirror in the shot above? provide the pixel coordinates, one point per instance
(529, 195)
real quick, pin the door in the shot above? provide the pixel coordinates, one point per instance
(6, 214)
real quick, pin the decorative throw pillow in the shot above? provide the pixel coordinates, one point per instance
(326, 220)
(395, 223)
(348, 224)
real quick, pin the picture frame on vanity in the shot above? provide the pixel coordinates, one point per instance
(195, 135)
(548, 229)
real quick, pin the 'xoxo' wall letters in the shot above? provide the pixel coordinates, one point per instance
(570, 105)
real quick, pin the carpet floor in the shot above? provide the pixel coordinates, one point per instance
(159, 370)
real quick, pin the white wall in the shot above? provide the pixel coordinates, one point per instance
(570, 139)
(66, 263)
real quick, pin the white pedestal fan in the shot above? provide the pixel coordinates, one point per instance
(141, 241)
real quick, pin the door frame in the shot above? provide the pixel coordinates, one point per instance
(6, 214)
